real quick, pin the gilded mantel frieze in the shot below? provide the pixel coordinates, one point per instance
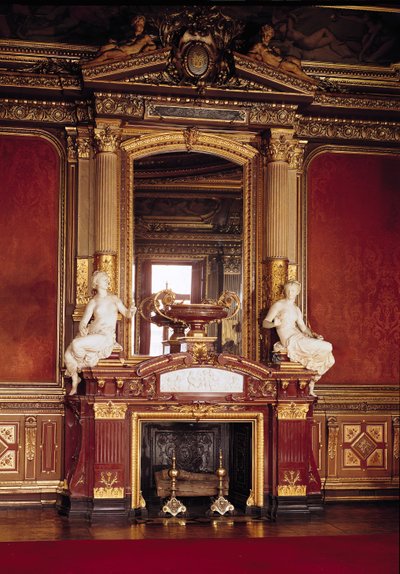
(292, 411)
(110, 410)
(339, 128)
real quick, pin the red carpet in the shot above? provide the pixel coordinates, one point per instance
(366, 554)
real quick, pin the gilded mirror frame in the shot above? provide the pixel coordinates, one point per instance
(227, 147)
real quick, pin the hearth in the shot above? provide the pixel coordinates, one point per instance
(196, 446)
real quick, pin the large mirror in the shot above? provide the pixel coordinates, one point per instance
(188, 216)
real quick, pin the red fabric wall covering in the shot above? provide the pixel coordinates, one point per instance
(354, 263)
(29, 207)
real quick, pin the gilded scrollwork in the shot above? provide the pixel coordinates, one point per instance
(274, 276)
(30, 438)
(333, 434)
(82, 281)
(261, 389)
(296, 155)
(396, 437)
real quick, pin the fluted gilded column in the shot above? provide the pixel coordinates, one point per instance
(296, 155)
(277, 221)
(107, 138)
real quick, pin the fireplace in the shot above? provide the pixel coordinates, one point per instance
(196, 440)
(197, 447)
(128, 419)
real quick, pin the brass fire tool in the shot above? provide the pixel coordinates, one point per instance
(173, 506)
(221, 504)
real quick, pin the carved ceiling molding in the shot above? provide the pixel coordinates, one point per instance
(38, 81)
(22, 50)
(339, 128)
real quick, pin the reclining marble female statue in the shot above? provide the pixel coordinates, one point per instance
(296, 339)
(97, 337)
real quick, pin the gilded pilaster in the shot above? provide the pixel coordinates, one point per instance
(279, 152)
(295, 160)
(107, 138)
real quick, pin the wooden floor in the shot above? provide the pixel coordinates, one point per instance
(337, 519)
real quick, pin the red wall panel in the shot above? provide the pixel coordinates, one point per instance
(29, 221)
(354, 263)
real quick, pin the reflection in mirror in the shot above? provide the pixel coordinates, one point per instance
(188, 211)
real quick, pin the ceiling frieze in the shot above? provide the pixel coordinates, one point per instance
(44, 111)
(338, 128)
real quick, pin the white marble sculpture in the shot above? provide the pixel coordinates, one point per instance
(97, 337)
(296, 339)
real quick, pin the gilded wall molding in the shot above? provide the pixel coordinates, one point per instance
(30, 438)
(341, 128)
(396, 437)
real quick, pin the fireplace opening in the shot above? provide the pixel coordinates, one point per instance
(197, 447)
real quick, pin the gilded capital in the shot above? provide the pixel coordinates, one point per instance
(296, 154)
(280, 145)
(107, 139)
(84, 147)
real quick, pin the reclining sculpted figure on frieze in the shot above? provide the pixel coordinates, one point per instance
(295, 338)
(97, 329)
(264, 52)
